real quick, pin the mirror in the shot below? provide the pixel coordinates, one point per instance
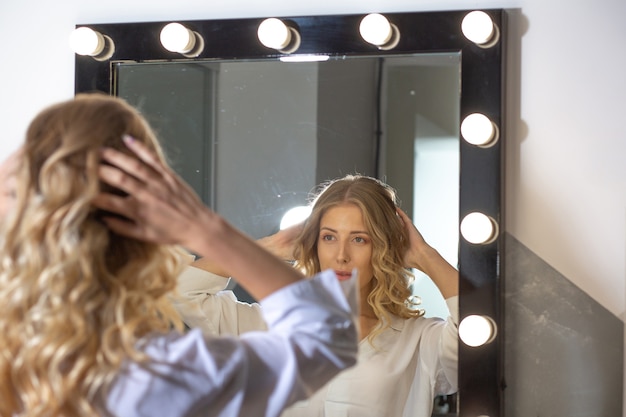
(361, 140)
(273, 130)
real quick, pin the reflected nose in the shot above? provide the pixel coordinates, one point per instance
(343, 256)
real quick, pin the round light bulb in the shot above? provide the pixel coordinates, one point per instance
(479, 228)
(375, 29)
(478, 27)
(274, 33)
(476, 330)
(177, 38)
(478, 130)
(294, 216)
(86, 41)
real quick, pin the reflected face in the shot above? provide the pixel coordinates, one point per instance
(7, 183)
(344, 243)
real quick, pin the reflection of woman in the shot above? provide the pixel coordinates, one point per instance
(84, 313)
(405, 360)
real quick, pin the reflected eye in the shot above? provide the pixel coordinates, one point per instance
(327, 238)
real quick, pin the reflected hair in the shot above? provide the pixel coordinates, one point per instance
(76, 299)
(390, 293)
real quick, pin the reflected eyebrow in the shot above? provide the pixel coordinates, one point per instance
(353, 232)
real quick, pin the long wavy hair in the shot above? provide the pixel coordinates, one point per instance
(390, 293)
(75, 298)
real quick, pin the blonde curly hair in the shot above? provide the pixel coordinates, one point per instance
(390, 293)
(75, 298)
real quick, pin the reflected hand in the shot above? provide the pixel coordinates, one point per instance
(283, 242)
(417, 244)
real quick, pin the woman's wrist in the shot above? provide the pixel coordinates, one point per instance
(277, 245)
(423, 256)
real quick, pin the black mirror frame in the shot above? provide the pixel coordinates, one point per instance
(481, 372)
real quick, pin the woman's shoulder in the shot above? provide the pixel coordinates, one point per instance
(416, 327)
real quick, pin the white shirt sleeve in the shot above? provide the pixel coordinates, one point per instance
(311, 338)
(442, 351)
(203, 302)
(449, 357)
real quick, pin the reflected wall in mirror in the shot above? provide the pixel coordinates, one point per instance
(379, 112)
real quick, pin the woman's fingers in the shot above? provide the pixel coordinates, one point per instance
(131, 175)
(150, 159)
(115, 204)
(159, 206)
(144, 173)
(121, 180)
(405, 219)
(416, 242)
(408, 223)
(125, 222)
(126, 163)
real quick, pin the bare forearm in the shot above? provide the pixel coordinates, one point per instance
(444, 275)
(229, 252)
(209, 266)
(274, 244)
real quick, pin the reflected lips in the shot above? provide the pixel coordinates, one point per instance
(343, 275)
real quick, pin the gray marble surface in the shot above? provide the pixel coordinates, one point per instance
(563, 352)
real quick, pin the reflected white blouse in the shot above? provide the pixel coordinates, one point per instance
(410, 362)
(311, 337)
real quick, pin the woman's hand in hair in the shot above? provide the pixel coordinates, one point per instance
(283, 242)
(417, 244)
(160, 207)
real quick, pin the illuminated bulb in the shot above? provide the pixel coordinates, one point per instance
(478, 130)
(477, 330)
(478, 27)
(376, 29)
(86, 41)
(275, 34)
(294, 215)
(177, 38)
(478, 228)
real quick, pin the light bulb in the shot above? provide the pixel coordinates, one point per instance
(479, 228)
(478, 27)
(86, 41)
(294, 216)
(476, 330)
(479, 130)
(375, 29)
(178, 38)
(274, 34)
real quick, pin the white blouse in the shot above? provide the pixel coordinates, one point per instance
(410, 362)
(311, 337)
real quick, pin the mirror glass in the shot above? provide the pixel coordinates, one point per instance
(254, 137)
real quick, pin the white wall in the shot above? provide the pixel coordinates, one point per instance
(566, 179)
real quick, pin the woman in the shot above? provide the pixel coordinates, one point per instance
(85, 314)
(404, 360)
